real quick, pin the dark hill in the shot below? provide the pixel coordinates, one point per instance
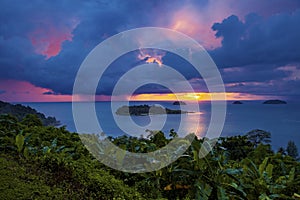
(21, 111)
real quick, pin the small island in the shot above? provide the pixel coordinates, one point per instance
(237, 102)
(179, 103)
(142, 110)
(275, 102)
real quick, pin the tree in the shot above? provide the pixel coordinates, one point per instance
(281, 150)
(158, 138)
(173, 134)
(292, 149)
(32, 120)
(258, 136)
(238, 147)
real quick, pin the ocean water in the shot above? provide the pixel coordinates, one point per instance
(283, 121)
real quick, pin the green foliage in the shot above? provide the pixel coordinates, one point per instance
(259, 153)
(38, 162)
(20, 111)
(258, 136)
(31, 120)
(158, 138)
(173, 134)
(20, 142)
(281, 150)
(56, 165)
(17, 183)
(238, 147)
(262, 183)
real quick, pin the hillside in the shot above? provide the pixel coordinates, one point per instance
(21, 111)
(45, 162)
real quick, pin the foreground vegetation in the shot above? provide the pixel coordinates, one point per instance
(39, 162)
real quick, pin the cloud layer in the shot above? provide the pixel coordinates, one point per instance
(255, 44)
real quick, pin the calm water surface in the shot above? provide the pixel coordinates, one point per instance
(283, 121)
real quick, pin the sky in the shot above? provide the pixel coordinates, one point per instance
(255, 45)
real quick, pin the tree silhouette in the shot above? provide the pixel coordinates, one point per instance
(258, 136)
(292, 149)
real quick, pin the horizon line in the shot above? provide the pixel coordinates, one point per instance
(193, 101)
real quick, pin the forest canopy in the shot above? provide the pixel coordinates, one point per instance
(41, 162)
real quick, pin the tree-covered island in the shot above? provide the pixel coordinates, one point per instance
(141, 110)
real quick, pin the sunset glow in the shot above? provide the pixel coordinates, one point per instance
(188, 21)
(200, 96)
(22, 91)
(151, 56)
(43, 45)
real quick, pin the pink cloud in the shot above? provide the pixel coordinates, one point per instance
(196, 22)
(47, 37)
(22, 91)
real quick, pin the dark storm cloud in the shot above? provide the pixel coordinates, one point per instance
(257, 45)
(18, 58)
(266, 7)
(274, 40)
(254, 73)
(97, 20)
(259, 79)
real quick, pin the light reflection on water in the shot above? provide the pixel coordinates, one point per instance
(281, 120)
(183, 124)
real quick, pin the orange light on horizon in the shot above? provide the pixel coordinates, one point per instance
(199, 96)
(22, 91)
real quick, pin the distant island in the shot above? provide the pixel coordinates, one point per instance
(179, 103)
(237, 102)
(275, 102)
(146, 110)
(21, 111)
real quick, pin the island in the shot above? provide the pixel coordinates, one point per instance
(237, 102)
(141, 110)
(179, 103)
(275, 102)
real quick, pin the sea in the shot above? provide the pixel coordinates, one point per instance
(281, 120)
